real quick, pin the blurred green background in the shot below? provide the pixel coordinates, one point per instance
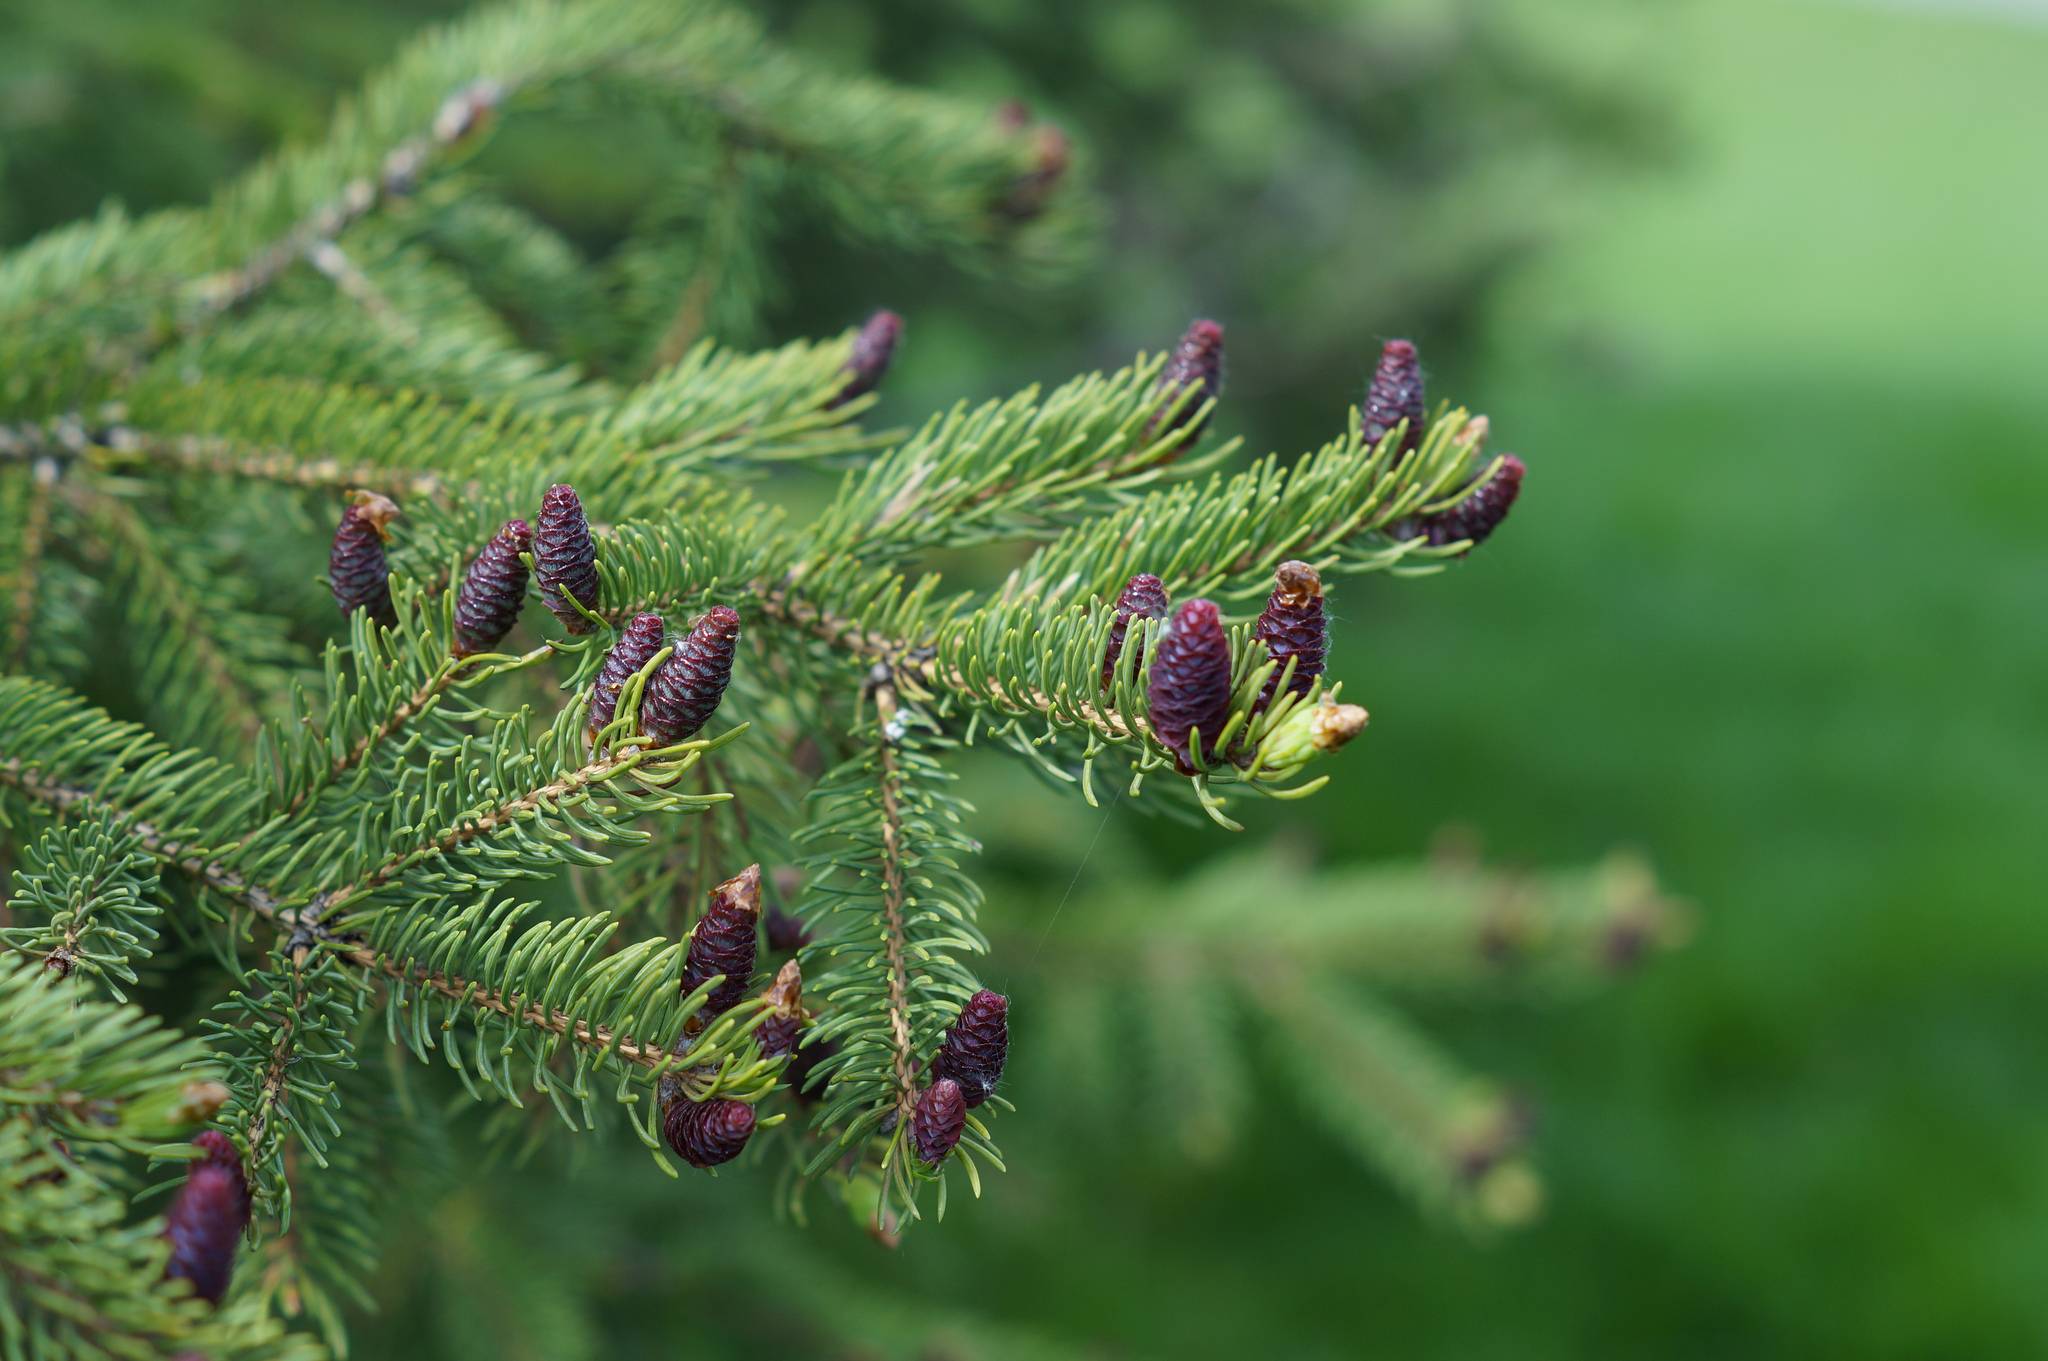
(1758, 291)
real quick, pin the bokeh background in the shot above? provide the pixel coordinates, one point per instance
(1758, 288)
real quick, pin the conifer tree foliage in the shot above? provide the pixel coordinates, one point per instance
(581, 711)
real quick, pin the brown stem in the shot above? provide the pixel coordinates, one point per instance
(893, 898)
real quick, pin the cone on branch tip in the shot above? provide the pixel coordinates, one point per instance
(707, 1133)
(683, 693)
(1394, 395)
(205, 1220)
(221, 1152)
(1482, 509)
(1192, 378)
(778, 1034)
(564, 557)
(1189, 689)
(1293, 625)
(487, 605)
(874, 345)
(937, 1121)
(357, 570)
(724, 942)
(637, 643)
(976, 1047)
(1143, 597)
(1051, 154)
(1312, 730)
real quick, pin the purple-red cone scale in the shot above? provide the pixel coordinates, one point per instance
(564, 556)
(357, 570)
(707, 1133)
(681, 696)
(1483, 508)
(637, 643)
(204, 1225)
(1143, 597)
(221, 1152)
(1293, 625)
(725, 942)
(874, 345)
(976, 1047)
(492, 591)
(1394, 395)
(938, 1120)
(1197, 362)
(1190, 684)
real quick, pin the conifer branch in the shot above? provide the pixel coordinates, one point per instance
(893, 900)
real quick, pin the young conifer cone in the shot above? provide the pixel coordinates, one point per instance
(1292, 625)
(976, 1047)
(1197, 363)
(938, 1120)
(1394, 395)
(221, 1152)
(636, 646)
(206, 1218)
(778, 1034)
(488, 604)
(357, 571)
(1483, 508)
(681, 697)
(564, 558)
(1190, 684)
(873, 347)
(707, 1133)
(1143, 597)
(724, 943)
(1029, 193)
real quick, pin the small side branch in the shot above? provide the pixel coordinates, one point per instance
(894, 901)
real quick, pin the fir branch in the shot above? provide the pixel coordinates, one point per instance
(894, 900)
(87, 888)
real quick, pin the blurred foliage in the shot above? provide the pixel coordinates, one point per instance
(1756, 387)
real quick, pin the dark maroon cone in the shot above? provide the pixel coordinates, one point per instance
(1051, 153)
(1395, 395)
(707, 1133)
(938, 1121)
(564, 556)
(681, 697)
(801, 1066)
(1197, 362)
(1143, 597)
(873, 347)
(724, 942)
(488, 604)
(636, 646)
(357, 572)
(1484, 507)
(778, 1034)
(974, 1050)
(204, 1224)
(1292, 625)
(786, 931)
(221, 1152)
(1190, 685)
